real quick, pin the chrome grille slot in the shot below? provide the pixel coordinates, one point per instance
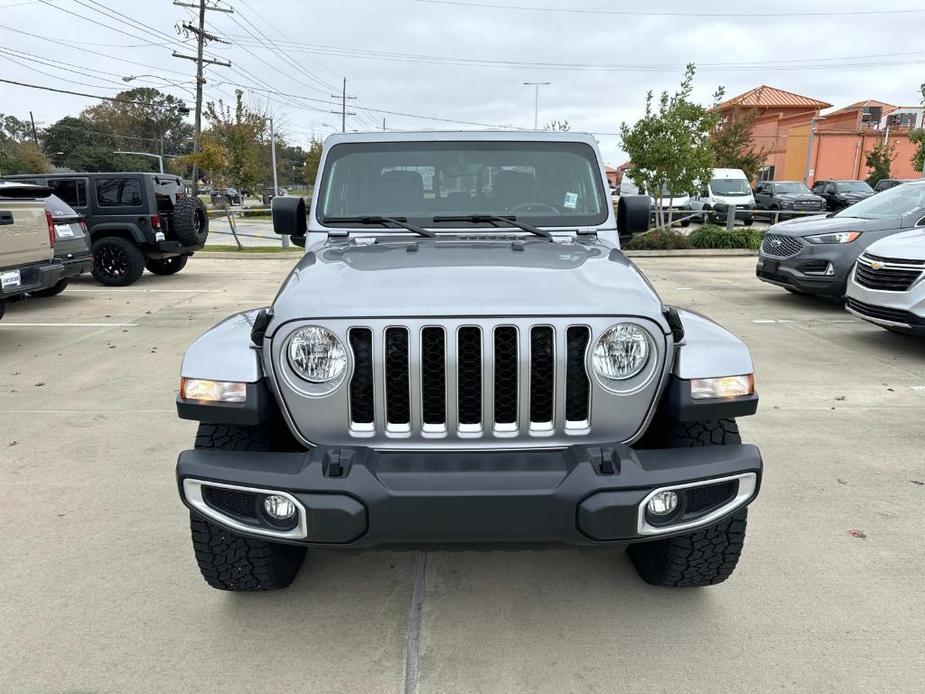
(433, 378)
(469, 378)
(397, 383)
(506, 377)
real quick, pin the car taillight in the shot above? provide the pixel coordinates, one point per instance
(155, 222)
(83, 227)
(51, 228)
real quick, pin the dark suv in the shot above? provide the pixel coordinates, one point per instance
(135, 220)
(840, 194)
(785, 198)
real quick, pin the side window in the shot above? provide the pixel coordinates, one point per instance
(817, 187)
(73, 191)
(118, 192)
(705, 192)
(762, 188)
(829, 189)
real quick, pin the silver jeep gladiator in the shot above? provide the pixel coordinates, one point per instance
(463, 357)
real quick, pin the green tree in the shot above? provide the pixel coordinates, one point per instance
(83, 145)
(240, 131)
(313, 161)
(733, 143)
(670, 145)
(145, 120)
(917, 137)
(879, 160)
(18, 153)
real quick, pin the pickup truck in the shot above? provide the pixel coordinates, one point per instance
(27, 243)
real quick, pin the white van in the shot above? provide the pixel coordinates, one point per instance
(728, 187)
(680, 203)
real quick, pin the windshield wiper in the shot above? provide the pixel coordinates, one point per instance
(495, 219)
(398, 221)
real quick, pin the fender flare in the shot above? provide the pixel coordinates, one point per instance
(709, 350)
(225, 352)
(123, 228)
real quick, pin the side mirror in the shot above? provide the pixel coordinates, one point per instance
(633, 215)
(289, 216)
(298, 241)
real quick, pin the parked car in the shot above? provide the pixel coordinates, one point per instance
(136, 221)
(887, 287)
(27, 243)
(887, 183)
(728, 189)
(270, 193)
(72, 245)
(431, 377)
(841, 194)
(786, 197)
(225, 196)
(815, 255)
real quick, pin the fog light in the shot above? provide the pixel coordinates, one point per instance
(663, 503)
(279, 507)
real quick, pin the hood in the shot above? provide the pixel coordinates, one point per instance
(735, 199)
(822, 225)
(854, 196)
(460, 277)
(909, 245)
(676, 201)
(799, 197)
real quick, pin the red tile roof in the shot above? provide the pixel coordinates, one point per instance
(771, 97)
(858, 105)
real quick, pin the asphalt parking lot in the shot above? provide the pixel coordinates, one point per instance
(101, 592)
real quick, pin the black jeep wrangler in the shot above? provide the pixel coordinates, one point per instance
(135, 220)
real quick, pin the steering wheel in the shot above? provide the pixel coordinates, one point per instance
(531, 206)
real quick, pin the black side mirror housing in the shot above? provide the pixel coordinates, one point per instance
(298, 241)
(289, 216)
(633, 215)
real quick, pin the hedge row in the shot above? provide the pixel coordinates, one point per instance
(707, 236)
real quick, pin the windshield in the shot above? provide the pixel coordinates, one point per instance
(895, 202)
(794, 188)
(730, 186)
(853, 187)
(541, 183)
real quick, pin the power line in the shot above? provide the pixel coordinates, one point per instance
(802, 12)
(74, 93)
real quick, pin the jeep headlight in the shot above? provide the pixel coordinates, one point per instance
(621, 352)
(316, 354)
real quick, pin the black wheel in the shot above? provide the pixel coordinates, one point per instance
(53, 290)
(2, 308)
(117, 262)
(190, 221)
(748, 222)
(686, 223)
(228, 560)
(166, 266)
(704, 557)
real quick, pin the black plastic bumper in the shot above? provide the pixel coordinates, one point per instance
(792, 272)
(77, 266)
(34, 278)
(359, 497)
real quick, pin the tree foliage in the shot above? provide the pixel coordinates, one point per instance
(733, 143)
(83, 145)
(917, 137)
(879, 161)
(313, 160)
(146, 120)
(670, 145)
(18, 153)
(240, 132)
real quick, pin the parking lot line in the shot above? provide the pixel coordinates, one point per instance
(148, 291)
(5, 324)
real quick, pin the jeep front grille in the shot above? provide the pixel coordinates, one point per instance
(468, 382)
(420, 398)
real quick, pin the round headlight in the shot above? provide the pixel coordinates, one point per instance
(621, 352)
(316, 354)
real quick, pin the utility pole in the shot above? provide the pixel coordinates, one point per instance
(536, 100)
(383, 124)
(343, 107)
(201, 37)
(284, 237)
(35, 138)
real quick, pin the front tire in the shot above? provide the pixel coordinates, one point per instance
(117, 262)
(228, 560)
(706, 556)
(166, 266)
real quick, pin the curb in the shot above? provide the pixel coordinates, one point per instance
(231, 255)
(694, 253)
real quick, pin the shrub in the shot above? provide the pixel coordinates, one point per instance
(712, 236)
(659, 240)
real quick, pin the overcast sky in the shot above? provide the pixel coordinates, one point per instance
(358, 39)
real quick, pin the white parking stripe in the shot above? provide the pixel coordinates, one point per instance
(6, 324)
(147, 291)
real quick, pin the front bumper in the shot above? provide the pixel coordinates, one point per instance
(34, 277)
(743, 213)
(360, 497)
(805, 271)
(888, 309)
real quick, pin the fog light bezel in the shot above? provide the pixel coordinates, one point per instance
(747, 488)
(192, 494)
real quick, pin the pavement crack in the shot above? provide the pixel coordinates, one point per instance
(415, 615)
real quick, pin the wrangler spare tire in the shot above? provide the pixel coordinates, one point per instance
(190, 221)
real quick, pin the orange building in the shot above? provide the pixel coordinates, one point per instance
(781, 127)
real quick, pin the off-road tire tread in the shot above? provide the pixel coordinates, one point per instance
(184, 221)
(136, 262)
(712, 432)
(227, 560)
(233, 562)
(162, 267)
(702, 558)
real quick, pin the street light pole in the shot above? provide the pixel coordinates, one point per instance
(536, 100)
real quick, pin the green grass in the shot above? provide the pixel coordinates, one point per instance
(249, 249)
